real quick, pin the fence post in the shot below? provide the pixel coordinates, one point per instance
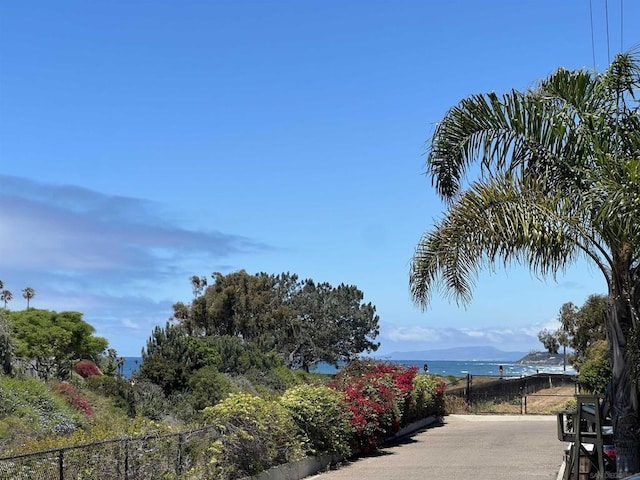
(61, 464)
(179, 459)
(469, 381)
(126, 459)
(521, 401)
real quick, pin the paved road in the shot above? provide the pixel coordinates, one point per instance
(479, 447)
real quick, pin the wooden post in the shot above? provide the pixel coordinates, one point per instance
(179, 460)
(61, 464)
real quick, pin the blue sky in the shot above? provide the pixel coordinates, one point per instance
(142, 142)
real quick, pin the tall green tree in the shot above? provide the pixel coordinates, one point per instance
(28, 293)
(5, 297)
(549, 339)
(582, 330)
(332, 325)
(53, 340)
(559, 176)
(305, 322)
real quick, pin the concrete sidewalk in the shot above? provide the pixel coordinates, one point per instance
(481, 447)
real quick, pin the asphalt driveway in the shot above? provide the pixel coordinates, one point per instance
(479, 447)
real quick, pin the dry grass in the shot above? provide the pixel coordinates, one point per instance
(550, 400)
(543, 402)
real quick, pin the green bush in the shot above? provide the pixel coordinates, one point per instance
(31, 402)
(322, 416)
(148, 400)
(426, 398)
(256, 434)
(207, 387)
(595, 372)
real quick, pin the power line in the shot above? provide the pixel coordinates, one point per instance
(606, 15)
(593, 42)
(621, 24)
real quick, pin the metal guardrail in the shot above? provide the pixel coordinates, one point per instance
(131, 458)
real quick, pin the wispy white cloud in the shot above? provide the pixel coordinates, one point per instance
(416, 337)
(413, 334)
(117, 259)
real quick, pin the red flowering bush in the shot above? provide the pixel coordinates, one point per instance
(86, 369)
(72, 396)
(377, 395)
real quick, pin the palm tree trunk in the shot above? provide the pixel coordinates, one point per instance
(624, 393)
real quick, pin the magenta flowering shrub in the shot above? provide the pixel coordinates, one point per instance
(72, 396)
(86, 369)
(377, 395)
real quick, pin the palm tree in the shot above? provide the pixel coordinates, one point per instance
(558, 180)
(6, 296)
(28, 293)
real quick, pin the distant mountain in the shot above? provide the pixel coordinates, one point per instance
(463, 354)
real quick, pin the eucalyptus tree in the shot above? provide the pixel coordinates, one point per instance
(28, 293)
(558, 180)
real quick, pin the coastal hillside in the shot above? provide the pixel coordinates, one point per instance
(542, 358)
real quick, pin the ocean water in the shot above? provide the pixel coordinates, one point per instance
(435, 367)
(130, 366)
(478, 368)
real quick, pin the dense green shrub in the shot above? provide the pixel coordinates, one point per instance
(30, 402)
(322, 416)
(116, 388)
(148, 400)
(427, 398)
(256, 434)
(595, 371)
(207, 387)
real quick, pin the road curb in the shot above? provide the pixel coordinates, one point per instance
(311, 465)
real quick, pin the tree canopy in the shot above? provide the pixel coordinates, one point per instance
(582, 330)
(558, 181)
(53, 340)
(304, 321)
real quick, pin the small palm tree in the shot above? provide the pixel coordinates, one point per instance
(28, 293)
(6, 296)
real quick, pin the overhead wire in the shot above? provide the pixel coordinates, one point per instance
(621, 25)
(593, 42)
(606, 16)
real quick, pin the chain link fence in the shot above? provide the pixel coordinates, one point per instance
(167, 457)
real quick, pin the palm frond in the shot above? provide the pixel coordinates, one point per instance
(516, 132)
(491, 223)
